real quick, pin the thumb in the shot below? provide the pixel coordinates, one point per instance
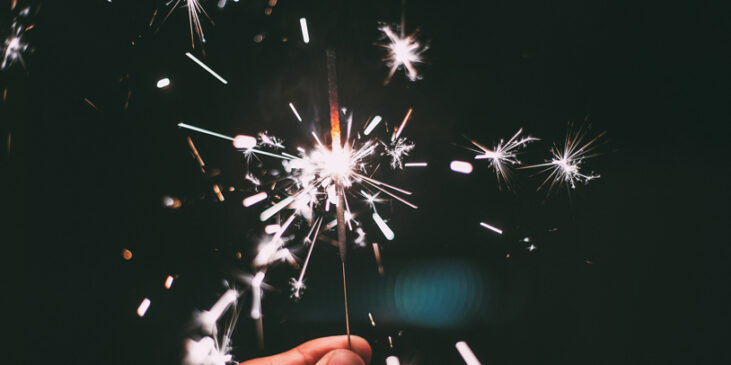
(341, 357)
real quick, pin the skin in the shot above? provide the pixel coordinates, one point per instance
(322, 351)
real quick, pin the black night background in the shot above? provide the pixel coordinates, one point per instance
(636, 272)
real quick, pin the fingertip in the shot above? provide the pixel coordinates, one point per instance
(361, 347)
(341, 357)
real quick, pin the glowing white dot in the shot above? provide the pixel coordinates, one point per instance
(244, 142)
(142, 309)
(163, 83)
(271, 228)
(461, 166)
(392, 360)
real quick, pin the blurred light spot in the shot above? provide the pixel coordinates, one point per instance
(271, 228)
(170, 202)
(126, 254)
(163, 83)
(305, 31)
(251, 200)
(168, 282)
(461, 166)
(258, 38)
(142, 309)
(392, 360)
(268, 11)
(272, 3)
(439, 293)
(244, 142)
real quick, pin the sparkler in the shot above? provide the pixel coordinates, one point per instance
(503, 155)
(466, 353)
(319, 178)
(205, 67)
(565, 166)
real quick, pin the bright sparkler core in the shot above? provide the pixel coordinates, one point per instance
(503, 155)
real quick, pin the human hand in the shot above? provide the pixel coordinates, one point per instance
(322, 351)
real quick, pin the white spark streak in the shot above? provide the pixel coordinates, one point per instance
(461, 166)
(466, 353)
(373, 323)
(415, 164)
(194, 10)
(256, 297)
(205, 67)
(387, 232)
(492, 228)
(274, 209)
(271, 228)
(251, 200)
(205, 131)
(291, 106)
(305, 32)
(374, 122)
(142, 309)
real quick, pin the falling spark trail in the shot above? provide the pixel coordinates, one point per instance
(415, 164)
(305, 32)
(373, 323)
(377, 255)
(274, 209)
(291, 106)
(194, 10)
(466, 353)
(298, 285)
(256, 295)
(374, 122)
(387, 232)
(251, 200)
(492, 228)
(403, 124)
(142, 309)
(88, 101)
(205, 67)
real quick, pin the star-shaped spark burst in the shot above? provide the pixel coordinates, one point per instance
(13, 46)
(565, 166)
(195, 9)
(403, 51)
(503, 155)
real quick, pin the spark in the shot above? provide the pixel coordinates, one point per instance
(377, 255)
(195, 9)
(400, 129)
(461, 166)
(205, 131)
(387, 232)
(13, 46)
(415, 164)
(144, 306)
(565, 166)
(392, 360)
(503, 155)
(163, 83)
(214, 349)
(373, 323)
(256, 198)
(291, 106)
(402, 52)
(256, 297)
(532, 248)
(305, 32)
(242, 142)
(205, 67)
(492, 228)
(373, 123)
(466, 353)
(168, 282)
(397, 151)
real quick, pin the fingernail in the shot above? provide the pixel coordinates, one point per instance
(344, 358)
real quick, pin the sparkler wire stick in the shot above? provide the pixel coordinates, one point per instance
(332, 86)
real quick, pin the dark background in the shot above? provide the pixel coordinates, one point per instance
(636, 272)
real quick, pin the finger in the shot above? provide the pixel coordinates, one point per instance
(341, 357)
(310, 352)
